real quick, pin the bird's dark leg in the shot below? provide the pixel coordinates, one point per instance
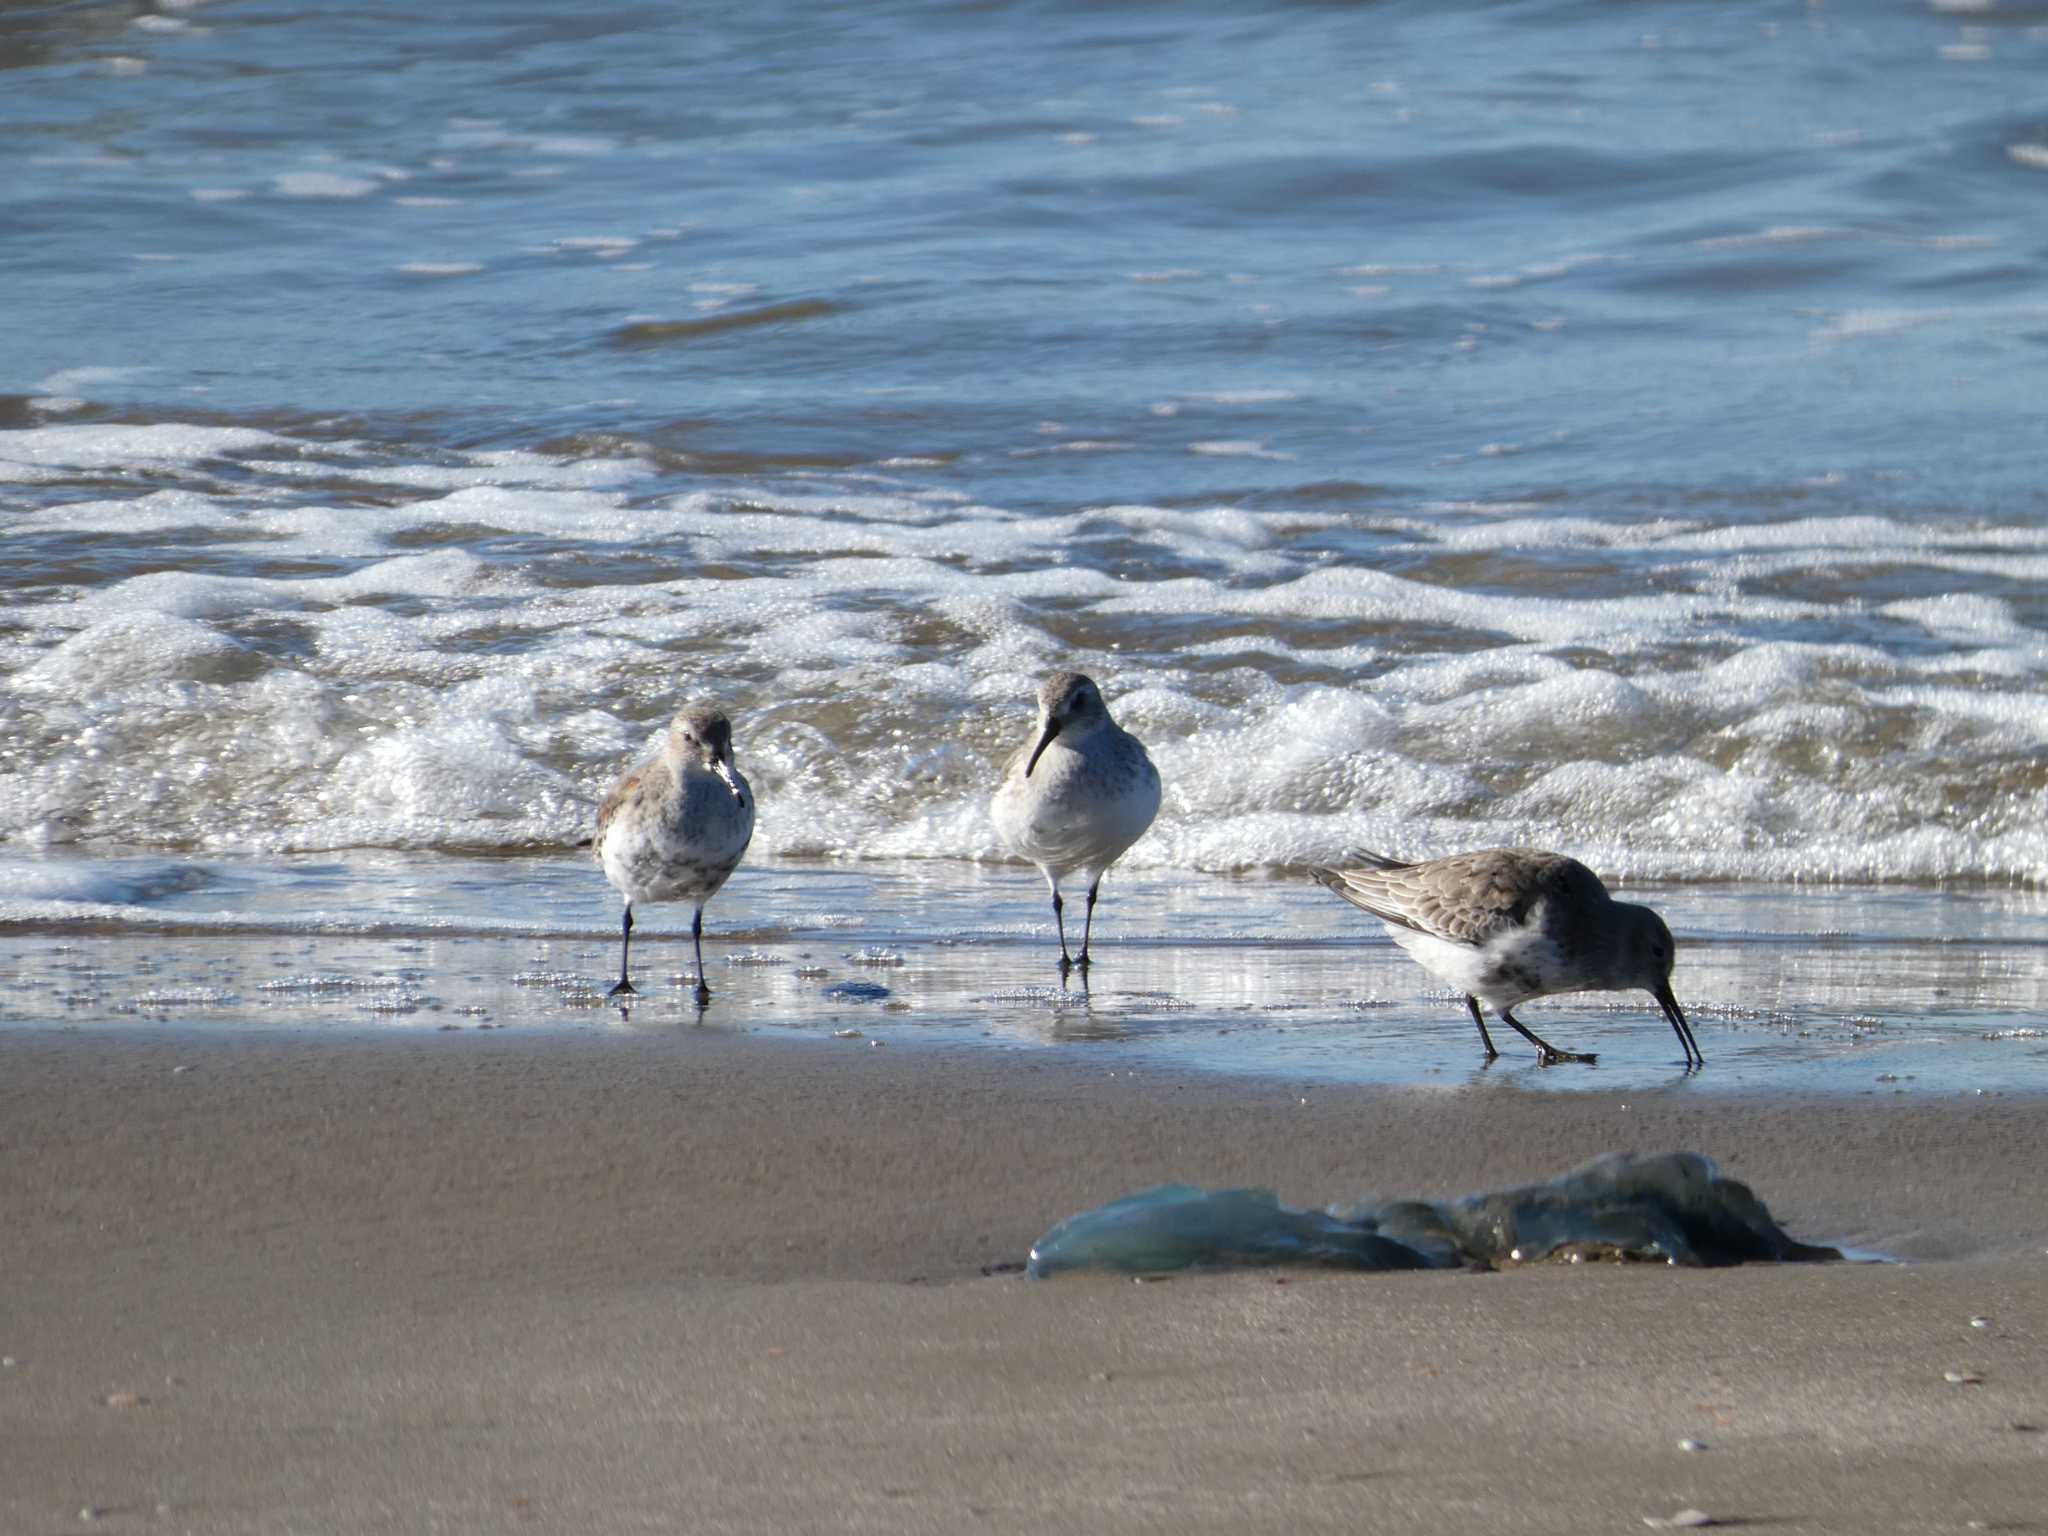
(1088, 923)
(625, 987)
(1058, 911)
(1547, 1055)
(1479, 1019)
(697, 934)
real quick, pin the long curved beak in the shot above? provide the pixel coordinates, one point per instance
(1052, 729)
(1676, 1015)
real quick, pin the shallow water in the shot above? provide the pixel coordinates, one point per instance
(1883, 992)
(1607, 428)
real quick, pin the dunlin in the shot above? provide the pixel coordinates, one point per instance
(1510, 924)
(675, 827)
(1076, 795)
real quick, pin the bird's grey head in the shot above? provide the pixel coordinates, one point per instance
(1644, 950)
(703, 734)
(1643, 957)
(1069, 705)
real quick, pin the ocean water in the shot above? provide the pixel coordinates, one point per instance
(1617, 428)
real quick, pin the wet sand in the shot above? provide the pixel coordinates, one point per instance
(691, 1279)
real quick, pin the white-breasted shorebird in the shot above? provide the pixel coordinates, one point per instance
(675, 827)
(1076, 795)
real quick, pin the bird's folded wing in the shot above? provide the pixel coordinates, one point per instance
(1422, 898)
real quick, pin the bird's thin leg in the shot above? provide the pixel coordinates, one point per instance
(1479, 1019)
(697, 934)
(624, 987)
(1088, 923)
(1058, 909)
(1547, 1054)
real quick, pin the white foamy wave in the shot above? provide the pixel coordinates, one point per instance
(43, 453)
(323, 184)
(1240, 396)
(587, 517)
(1777, 234)
(1962, 616)
(180, 594)
(1375, 597)
(466, 655)
(507, 471)
(1237, 448)
(98, 882)
(131, 648)
(1858, 324)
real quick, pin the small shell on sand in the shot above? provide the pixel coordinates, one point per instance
(1684, 1520)
(125, 1400)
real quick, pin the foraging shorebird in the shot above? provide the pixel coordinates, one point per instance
(1510, 924)
(1076, 795)
(675, 827)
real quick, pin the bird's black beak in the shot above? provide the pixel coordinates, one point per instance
(1676, 1016)
(1052, 729)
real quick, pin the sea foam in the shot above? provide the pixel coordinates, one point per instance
(463, 655)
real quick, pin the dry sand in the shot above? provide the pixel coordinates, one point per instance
(687, 1280)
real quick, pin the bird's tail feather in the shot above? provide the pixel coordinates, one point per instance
(1376, 903)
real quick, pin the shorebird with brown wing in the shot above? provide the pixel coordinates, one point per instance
(1511, 924)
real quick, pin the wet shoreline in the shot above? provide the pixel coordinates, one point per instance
(1849, 991)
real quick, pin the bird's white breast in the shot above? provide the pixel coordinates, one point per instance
(1079, 809)
(679, 836)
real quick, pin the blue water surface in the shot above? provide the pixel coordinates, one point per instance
(1642, 252)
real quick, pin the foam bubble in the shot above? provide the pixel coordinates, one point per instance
(1260, 396)
(1961, 616)
(466, 781)
(322, 184)
(1237, 448)
(602, 246)
(1857, 324)
(1777, 234)
(82, 380)
(44, 452)
(130, 648)
(99, 882)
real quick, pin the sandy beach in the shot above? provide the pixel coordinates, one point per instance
(1429, 429)
(696, 1279)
